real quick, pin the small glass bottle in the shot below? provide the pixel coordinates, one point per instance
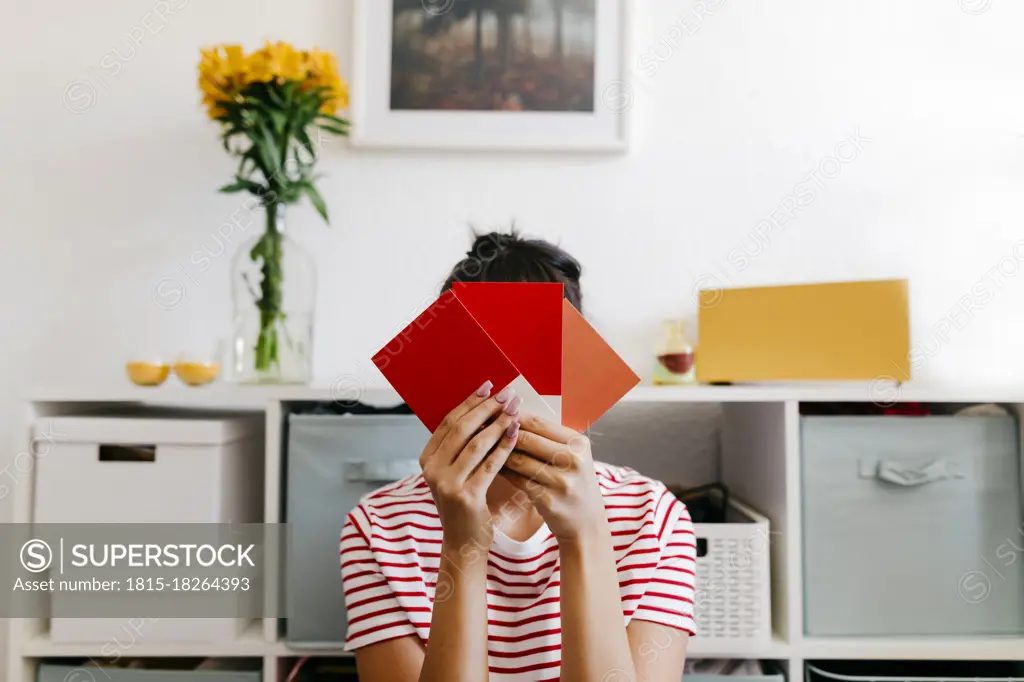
(674, 360)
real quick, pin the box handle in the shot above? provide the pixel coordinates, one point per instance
(899, 474)
(114, 452)
(381, 471)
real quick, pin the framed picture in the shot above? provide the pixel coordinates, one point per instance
(521, 75)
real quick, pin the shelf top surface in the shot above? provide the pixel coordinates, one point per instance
(231, 395)
(252, 643)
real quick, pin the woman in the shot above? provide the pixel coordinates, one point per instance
(515, 556)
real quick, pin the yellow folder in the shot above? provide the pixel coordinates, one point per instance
(806, 332)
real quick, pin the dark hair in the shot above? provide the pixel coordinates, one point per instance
(497, 257)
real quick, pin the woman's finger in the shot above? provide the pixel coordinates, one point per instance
(549, 429)
(543, 449)
(475, 399)
(462, 431)
(534, 490)
(482, 443)
(484, 475)
(531, 468)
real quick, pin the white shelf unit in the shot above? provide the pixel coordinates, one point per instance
(759, 454)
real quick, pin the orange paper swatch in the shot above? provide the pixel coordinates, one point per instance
(594, 377)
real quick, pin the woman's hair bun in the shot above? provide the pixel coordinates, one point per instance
(508, 257)
(492, 240)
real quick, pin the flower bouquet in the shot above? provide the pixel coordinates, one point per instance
(271, 104)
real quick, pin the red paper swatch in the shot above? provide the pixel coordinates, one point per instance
(440, 359)
(525, 320)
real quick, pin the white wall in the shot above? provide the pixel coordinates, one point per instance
(733, 111)
(99, 206)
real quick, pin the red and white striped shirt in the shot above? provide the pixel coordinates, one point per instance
(390, 555)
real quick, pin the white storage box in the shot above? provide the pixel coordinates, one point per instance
(149, 469)
(732, 602)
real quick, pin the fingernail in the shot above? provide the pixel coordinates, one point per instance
(485, 390)
(512, 409)
(505, 394)
(513, 430)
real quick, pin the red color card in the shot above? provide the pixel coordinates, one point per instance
(525, 320)
(594, 377)
(440, 358)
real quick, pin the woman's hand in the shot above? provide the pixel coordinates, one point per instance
(462, 458)
(552, 464)
(459, 463)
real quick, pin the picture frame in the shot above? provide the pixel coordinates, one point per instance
(382, 117)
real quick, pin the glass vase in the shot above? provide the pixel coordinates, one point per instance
(273, 284)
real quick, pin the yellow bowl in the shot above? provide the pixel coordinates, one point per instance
(147, 373)
(196, 373)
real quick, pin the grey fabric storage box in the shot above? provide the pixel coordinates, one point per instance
(699, 677)
(332, 462)
(907, 523)
(49, 672)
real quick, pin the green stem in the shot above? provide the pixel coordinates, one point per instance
(270, 302)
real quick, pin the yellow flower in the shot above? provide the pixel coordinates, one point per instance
(323, 73)
(225, 71)
(291, 65)
(213, 108)
(234, 59)
(260, 68)
(214, 81)
(337, 98)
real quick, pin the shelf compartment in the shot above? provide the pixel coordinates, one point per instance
(249, 644)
